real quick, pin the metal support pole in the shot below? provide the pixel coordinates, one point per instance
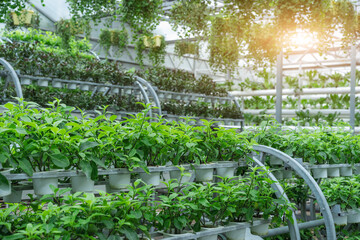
(352, 86)
(314, 187)
(283, 230)
(279, 77)
(14, 77)
(152, 92)
(292, 227)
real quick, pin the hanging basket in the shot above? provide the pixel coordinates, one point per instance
(24, 17)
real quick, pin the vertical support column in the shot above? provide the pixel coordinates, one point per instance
(352, 86)
(300, 87)
(279, 78)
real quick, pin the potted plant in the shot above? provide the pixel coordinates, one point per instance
(341, 194)
(175, 215)
(36, 145)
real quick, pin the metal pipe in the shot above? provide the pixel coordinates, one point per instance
(285, 229)
(305, 91)
(152, 91)
(352, 86)
(147, 101)
(279, 77)
(14, 77)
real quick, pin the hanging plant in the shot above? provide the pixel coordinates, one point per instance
(92, 10)
(155, 46)
(24, 18)
(157, 51)
(224, 47)
(114, 37)
(262, 45)
(189, 18)
(186, 47)
(67, 29)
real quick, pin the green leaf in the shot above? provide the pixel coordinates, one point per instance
(97, 161)
(129, 233)
(14, 237)
(113, 117)
(60, 160)
(48, 120)
(21, 130)
(86, 168)
(137, 214)
(5, 187)
(25, 165)
(3, 157)
(86, 145)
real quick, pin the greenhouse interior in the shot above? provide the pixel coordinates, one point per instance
(180, 119)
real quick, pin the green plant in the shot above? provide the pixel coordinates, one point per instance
(67, 29)
(114, 37)
(342, 191)
(186, 47)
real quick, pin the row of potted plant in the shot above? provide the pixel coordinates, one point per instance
(333, 101)
(46, 38)
(32, 59)
(184, 207)
(343, 197)
(37, 139)
(177, 80)
(315, 146)
(310, 79)
(201, 109)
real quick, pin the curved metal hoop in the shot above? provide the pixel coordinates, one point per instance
(147, 101)
(14, 77)
(293, 227)
(152, 92)
(315, 189)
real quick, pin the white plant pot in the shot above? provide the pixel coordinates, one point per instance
(115, 90)
(333, 172)
(71, 86)
(208, 237)
(26, 81)
(102, 89)
(225, 172)
(43, 83)
(176, 174)
(276, 161)
(166, 235)
(152, 178)
(261, 229)
(128, 91)
(236, 234)
(56, 84)
(353, 217)
(82, 184)
(204, 175)
(42, 185)
(84, 87)
(319, 173)
(119, 181)
(346, 171)
(339, 220)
